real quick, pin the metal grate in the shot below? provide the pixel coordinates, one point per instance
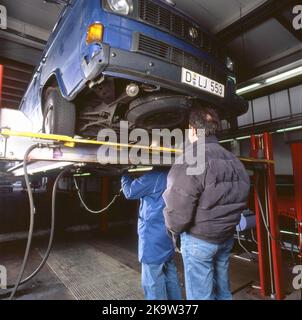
(167, 20)
(92, 275)
(177, 56)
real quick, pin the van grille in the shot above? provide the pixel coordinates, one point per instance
(160, 17)
(176, 56)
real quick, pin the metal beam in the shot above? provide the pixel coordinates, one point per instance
(291, 56)
(25, 40)
(288, 26)
(40, 35)
(21, 36)
(261, 14)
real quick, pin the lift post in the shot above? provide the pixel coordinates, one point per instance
(273, 217)
(296, 149)
(269, 246)
(262, 236)
(294, 138)
(1, 83)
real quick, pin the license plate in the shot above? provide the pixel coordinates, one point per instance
(203, 83)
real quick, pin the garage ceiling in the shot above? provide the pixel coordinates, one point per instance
(215, 15)
(258, 33)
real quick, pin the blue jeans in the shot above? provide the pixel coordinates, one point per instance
(160, 281)
(206, 268)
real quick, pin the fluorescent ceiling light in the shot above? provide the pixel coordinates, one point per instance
(141, 169)
(225, 141)
(243, 138)
(289, 232)
(231, 140)
(39, 167)
(262, 82)
(285, 75)
(248, 88)
(289, 129)
(82, 175)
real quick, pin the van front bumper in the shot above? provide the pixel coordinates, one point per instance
(145, 69)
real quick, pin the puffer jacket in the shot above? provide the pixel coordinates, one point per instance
(207, 206)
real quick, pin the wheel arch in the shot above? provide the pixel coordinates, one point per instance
(54, 81)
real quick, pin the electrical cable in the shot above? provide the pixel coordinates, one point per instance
(253, 236)
(32, 210)
(264, 221)
(52, 228)
(244, 248)
(86, 207)
(292, 250)
(32, 218)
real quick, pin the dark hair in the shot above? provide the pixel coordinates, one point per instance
(203, 117)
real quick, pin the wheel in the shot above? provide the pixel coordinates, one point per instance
(158, 111)
(59, 115)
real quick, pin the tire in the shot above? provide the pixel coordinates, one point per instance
(59, 115)
(158, 111)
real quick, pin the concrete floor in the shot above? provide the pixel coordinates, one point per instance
(88, 265)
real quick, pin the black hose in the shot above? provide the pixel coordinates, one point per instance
(32, 219)
(244, 248)
(52, 229)
(263, 217)
(86, 207)
(30, 233)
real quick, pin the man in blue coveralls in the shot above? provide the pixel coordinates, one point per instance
(156, 249)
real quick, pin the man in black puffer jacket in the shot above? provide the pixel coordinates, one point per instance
(204, 209)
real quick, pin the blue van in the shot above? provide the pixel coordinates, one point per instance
(142, 61)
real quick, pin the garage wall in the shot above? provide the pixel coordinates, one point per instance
(282, 154)
(277, 106)
(14, 207)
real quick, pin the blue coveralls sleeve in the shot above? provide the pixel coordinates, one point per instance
(137, 188)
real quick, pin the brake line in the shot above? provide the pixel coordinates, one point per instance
(93, 211)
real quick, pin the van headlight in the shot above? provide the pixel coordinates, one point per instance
(230, 64)
(124, 7)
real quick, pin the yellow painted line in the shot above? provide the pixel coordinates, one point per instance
(70, 142)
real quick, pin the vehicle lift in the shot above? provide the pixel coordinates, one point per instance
(78, 152)
(63, 152)
(39, 152)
